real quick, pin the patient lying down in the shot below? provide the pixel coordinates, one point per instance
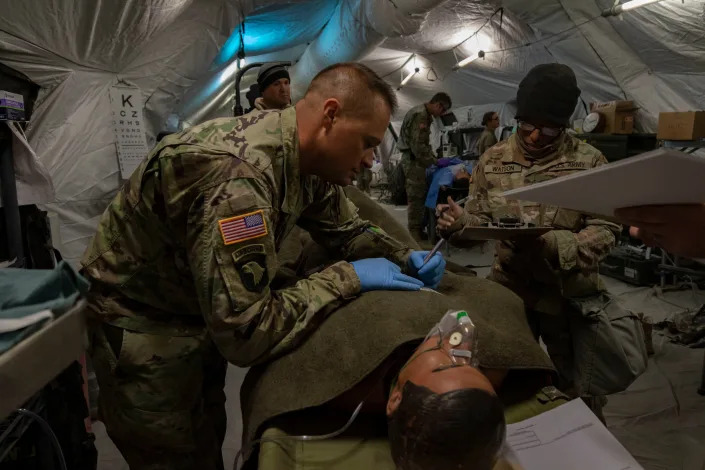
(441, 379)
(443, 410)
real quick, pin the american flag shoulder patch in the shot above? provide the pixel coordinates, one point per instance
(243, 227)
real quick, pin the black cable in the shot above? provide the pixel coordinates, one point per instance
(498, 10)
(538, 41)
(241, 52)
(574, 27)
(506, 49)
(54, 440)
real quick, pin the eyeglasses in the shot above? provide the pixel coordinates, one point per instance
(547, 131)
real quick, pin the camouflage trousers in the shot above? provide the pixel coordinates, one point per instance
(416, 190)
(161, 397)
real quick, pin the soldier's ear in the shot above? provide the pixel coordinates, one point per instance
(331, 110)
(394, 400)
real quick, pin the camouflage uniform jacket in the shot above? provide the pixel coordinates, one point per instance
(487, 139)
(194, 235)
(568, 263)
(415, 137)
(262, 106)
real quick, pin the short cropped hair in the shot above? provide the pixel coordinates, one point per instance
(443, 98)
(462, 429)
(487, 117)
(353, 83)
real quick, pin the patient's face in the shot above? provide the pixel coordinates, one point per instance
(432, 368)
(462, 174)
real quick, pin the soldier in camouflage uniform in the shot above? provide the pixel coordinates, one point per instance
(275, 87)
(417, 155)
(488, 138)
(183, 257)
(557, 272)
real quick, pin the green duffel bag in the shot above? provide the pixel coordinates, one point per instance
(608, 343)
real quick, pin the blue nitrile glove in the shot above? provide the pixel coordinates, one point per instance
(430, 273)
(382, 274)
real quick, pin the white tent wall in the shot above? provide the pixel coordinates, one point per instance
(76, 51)
(630, 57)
(494, 79)
(654, 55)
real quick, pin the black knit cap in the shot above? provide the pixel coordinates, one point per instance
(270, 73)
(549, 92)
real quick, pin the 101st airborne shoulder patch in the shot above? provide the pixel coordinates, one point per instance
(251, 264)
(243, 227)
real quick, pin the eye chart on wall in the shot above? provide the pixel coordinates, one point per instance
(128, 122)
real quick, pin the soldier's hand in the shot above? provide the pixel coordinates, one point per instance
(431, 272)
(677, 228)
(382, 274)
(447, 214)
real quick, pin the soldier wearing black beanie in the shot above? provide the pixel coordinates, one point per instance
(549, 93)
(557, 273)
(273, 82)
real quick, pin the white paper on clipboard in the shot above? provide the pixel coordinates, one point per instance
(567, 437)
(657, 177)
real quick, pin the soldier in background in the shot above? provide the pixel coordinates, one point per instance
(488, 138)
(182, 262)
(274, 85)
(556, 274)
(417, 155)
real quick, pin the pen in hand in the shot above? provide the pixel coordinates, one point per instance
(440, 242)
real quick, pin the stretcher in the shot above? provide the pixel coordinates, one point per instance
(364, 444)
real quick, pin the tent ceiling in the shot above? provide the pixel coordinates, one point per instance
(277, 27)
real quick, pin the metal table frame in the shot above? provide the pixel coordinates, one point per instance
(8, 192)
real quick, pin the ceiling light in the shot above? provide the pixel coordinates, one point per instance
(469, 59)
(618, 9)
(408, 77)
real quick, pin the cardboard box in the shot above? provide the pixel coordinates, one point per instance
(689, 125)
(11, 106)
(618, 115)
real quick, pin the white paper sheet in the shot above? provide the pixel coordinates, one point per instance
(657, 177)
(567, 437)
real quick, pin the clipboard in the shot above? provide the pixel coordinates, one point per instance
(492, 232)
(662, 176)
